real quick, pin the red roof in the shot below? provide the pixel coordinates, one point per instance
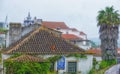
(97, 51)
(74, 29)
(82, 33)
(2, 33)
(55, 25)
(70, 36)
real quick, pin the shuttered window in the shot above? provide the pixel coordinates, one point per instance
(72, 67)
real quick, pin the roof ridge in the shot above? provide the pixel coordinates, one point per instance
(55, 21)
(27, 58)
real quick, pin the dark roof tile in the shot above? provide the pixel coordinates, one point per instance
(41, 41)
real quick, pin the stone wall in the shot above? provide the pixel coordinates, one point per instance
(16, 31)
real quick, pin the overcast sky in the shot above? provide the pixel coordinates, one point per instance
(80, 14)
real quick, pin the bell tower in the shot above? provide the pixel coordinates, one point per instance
(29, 17)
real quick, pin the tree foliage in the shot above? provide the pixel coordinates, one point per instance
(26, 67)
(109, 20)
(109, 16)
(54, 58)
(3, 30)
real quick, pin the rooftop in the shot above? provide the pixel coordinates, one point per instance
(55, 25)
(28, 58)
(97, 51)
(70, 37)
(42, 41)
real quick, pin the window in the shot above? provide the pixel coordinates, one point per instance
(52, 66)
(72, 67)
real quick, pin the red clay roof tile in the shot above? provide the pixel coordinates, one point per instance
(55, 25)
(70, 36)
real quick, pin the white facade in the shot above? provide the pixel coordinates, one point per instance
(77, 33)
(87, 45)
(83, 64)
(84, 44)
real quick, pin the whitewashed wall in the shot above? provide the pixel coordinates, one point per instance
(82, 45)
(64, 31)
(83, 65)
(77, 33)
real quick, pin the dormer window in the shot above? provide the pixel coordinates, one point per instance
(58, 28)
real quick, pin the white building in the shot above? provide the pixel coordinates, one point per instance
(3, 37)
(82, 42)
(45, 42)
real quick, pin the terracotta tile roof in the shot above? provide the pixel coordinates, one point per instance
(70, 37)
(42, 41)
(27, 58)
(2, 33)
(95, 51)
(82, 33)
(74, 29)
(15, 43)
(55, 25)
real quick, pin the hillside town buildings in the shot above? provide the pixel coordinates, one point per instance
(16, 32)
(72, 35)
(38, 38)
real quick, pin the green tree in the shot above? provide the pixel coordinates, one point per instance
(108, 21)
(25, 67)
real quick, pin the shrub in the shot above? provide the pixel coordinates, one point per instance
(107, 63)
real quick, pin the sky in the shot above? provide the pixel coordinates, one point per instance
(79, 14)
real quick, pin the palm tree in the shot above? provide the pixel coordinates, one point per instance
(108, 21)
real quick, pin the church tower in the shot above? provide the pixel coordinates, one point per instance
(29, 17)
(28, 21)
